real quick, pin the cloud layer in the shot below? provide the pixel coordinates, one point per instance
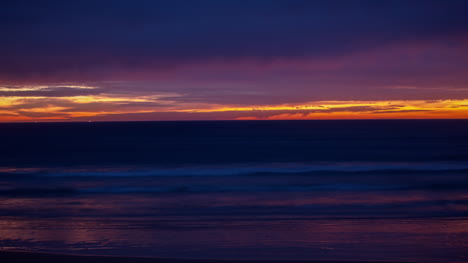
(137, 57)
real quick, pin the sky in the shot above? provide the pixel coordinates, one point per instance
(233, 60)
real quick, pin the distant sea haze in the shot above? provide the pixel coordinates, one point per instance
(390, 190)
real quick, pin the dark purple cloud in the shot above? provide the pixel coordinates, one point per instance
(89, 40)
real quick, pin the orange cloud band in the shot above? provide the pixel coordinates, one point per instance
(75, 108)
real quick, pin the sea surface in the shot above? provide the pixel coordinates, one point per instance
(393, 190)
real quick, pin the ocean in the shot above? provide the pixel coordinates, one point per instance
(390, 190)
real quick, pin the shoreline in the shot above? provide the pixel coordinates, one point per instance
(7, 256)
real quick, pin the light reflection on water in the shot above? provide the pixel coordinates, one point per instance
(423, 240)
(344, 216)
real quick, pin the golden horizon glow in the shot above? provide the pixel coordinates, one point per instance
(321, 105)
(70, 108)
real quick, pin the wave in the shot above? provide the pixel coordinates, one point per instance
(37, 192)
(243, 169)
(225, 189)
(47, 192)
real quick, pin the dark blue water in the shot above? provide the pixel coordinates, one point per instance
(349, 190)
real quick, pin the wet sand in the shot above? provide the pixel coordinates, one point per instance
(30, 257)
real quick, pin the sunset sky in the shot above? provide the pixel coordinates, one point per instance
(243, 59)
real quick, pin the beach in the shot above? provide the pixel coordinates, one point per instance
(28, 257)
